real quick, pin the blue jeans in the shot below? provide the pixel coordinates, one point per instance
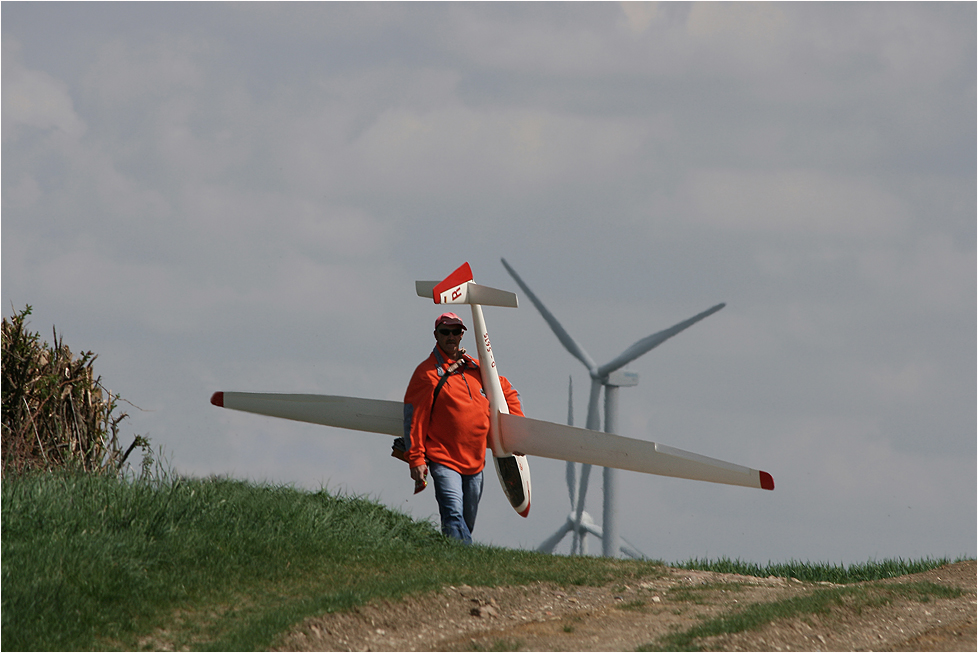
(458, 498)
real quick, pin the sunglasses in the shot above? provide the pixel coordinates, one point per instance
(457, 331)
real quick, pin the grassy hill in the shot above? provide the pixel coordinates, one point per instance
(94, 562)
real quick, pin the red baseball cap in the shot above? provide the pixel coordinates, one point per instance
(449, 318)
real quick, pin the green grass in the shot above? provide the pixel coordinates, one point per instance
(92, 562)
(101, 563)
(820, 571)
(818, 602)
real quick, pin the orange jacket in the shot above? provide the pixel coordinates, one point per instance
(456, 433)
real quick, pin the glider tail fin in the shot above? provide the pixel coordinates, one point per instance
(459, 288)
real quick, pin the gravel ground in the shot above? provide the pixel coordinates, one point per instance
(542, 617)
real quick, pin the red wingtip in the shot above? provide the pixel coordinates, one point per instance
(218, 399)
(462, 274)
(525, 512)
(767, 481)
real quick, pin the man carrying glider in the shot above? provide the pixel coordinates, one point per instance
(446, 425)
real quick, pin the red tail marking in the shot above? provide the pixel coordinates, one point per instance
(458, 277)
(218, 399)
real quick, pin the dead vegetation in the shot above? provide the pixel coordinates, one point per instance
(56, 414)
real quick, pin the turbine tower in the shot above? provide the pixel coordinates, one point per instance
(611, 377)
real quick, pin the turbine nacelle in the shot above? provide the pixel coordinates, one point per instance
(619, 379)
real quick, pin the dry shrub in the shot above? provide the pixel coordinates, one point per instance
(56, 414)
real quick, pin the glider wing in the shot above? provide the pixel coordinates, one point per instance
(549, 440)
(528, 436)
(373, 415)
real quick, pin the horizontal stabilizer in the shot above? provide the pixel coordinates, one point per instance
(426, 288)
(459, 288)
(549, 440)
(468, 293)
(373, 415)
(487, 296)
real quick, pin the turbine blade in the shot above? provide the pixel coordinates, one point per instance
(570, 401)
(549, 544)
(582, 491)
(650, 342)
(594, 530)
(575, 349)
(593, 418)
(571, 482)
(631, 550)
(571, 468)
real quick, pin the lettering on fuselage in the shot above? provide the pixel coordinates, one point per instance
(492, 360)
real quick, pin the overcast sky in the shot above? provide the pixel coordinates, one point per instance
(240, 197)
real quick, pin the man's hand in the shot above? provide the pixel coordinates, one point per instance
(419, 475)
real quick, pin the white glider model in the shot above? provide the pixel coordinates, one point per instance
(511, 437)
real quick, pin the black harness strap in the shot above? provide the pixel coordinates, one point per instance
(461, 362)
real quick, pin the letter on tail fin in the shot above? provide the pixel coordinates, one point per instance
(454, 289)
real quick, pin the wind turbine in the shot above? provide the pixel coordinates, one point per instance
(611, 377)
(580, 524)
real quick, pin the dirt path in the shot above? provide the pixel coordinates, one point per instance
(910, 613)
